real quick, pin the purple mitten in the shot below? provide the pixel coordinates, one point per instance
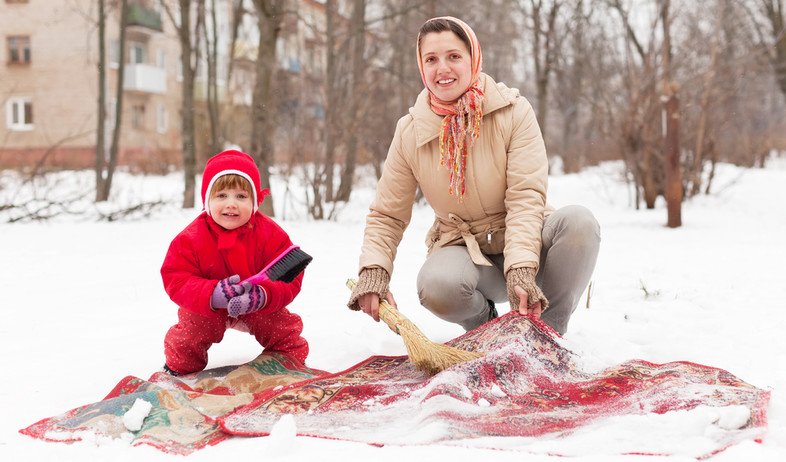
(225, 290)
(252, 299)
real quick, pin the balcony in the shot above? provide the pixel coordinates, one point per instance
(138, 15)
(144, 78)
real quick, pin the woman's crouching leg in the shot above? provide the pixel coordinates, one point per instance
(571, 240)
(452, 287)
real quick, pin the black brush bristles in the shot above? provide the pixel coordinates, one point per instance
(289, 266)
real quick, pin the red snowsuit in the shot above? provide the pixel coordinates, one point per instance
(201, 255)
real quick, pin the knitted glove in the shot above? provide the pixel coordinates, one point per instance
(370, 280)
(252, 299)
(524, 278)
(225, 290)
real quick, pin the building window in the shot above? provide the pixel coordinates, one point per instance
(19, 114)
(18, 50)
(162, 119)
(161, 59)
(114, 53)
(138, 115)
(137, 53)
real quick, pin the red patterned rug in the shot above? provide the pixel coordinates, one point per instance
(182, 411)
(527, 385)
(528, 388)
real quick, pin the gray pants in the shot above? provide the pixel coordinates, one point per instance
(452, 287)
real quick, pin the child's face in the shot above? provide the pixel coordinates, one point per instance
(231, 207)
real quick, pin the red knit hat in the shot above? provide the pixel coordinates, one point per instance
(231, 162)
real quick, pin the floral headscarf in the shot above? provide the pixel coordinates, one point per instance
(461, 124)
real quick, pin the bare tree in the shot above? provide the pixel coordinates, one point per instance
(671, 114)
(709, 81)
(356, 83)
(210, 33)
(774, 12)
(574, 77)
(545, 49)
(104, 178)
(270, 14)
(399, 75)
(339, 108)
(101, 128)
(332, 110)
(189, 57)
(238, 14)
(640, 123)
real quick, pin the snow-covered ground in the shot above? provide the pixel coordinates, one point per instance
(83, 306)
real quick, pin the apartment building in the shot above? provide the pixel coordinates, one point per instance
(49, 84)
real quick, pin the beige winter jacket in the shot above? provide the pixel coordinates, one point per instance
(506, 181)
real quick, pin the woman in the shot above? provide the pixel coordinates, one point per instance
(475, 149)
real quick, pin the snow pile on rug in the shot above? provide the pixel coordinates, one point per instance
(529, 393)
(175, 415)
(526, 386)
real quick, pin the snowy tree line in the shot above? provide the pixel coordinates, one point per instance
(598, 72)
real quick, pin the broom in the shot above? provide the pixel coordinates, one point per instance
(427, 356)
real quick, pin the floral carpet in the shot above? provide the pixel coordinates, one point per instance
(528, 385)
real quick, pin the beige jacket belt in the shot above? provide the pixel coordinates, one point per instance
(460, 229)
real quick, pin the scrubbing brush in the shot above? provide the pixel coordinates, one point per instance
(285, 267)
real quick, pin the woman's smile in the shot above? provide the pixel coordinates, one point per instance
(447, 65)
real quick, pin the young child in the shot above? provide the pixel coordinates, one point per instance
(227, 243)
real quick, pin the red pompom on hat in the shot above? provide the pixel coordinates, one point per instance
(231, 162)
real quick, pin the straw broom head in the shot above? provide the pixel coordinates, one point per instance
(427, 356)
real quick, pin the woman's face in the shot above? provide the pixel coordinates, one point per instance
(447, 65)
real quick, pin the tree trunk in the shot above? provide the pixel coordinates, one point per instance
(358, 37)
(543, 52)
(115, 147)
(569, 97)
(101, 128)
(698, 155)
(189, 56)
(211, 52)
(671, 144)
(647, 176)
(713, 162)
(238, 11)
(774, 11)
(331, 90)
(672, 150)
(263, 131)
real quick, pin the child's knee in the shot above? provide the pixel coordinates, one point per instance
(299, 349)
(204, 328)
(289, 342)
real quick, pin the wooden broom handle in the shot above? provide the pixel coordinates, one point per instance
(391, 316)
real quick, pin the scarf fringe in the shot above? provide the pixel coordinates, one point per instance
(460, 129)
